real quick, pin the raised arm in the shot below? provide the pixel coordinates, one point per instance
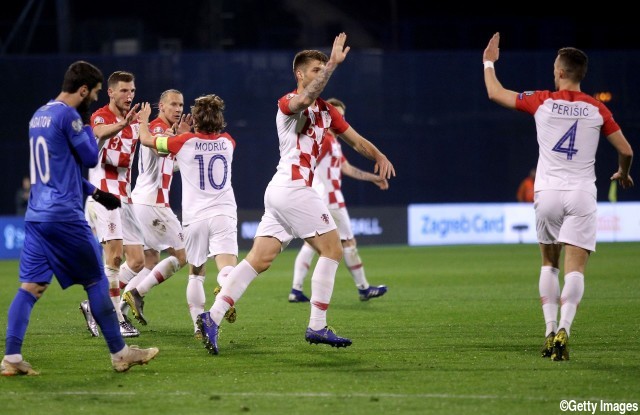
(383, 166)
(105, 132)
(146, 138)
(312, 91)
(497, 93)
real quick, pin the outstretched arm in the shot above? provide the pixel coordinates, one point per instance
(312, 91)
(383, 166)
(497, 93)
(352, 171)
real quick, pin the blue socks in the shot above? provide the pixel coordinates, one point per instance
(18, 320)
(105, 315)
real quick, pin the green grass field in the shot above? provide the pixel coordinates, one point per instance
(459, 332)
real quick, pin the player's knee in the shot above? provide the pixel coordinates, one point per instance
(182, 257)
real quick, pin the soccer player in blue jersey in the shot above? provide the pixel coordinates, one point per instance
(58, 239)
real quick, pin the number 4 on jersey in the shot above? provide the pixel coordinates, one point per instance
(571, 136)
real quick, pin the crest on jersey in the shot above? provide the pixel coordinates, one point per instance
(181, 236)
(325, 218)
(77, 125)
(527, 93)
(158, 129)
(291, 95)
(98, 120)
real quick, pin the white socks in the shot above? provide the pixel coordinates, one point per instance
(571, 295)
(549, 297)
(235, 285)
(114, 289)
(301, 266)
(354, 263)
(195, 296)
(160, 273)
(324, 275)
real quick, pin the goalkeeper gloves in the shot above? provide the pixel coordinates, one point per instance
(106, 199)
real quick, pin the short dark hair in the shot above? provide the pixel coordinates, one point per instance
(574, 62)
(120, 76)
(305, 56)
(81, 73)
(207, 114)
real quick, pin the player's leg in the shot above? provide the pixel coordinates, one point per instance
(549, 288)
(162, 231)
(549, 218)
(225, 264)
(300, 268)
(196, 239)
(35, 276)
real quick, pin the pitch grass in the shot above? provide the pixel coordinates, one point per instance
(459, 332)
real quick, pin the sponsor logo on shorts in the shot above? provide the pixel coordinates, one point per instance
(112, 227)
(325, 218)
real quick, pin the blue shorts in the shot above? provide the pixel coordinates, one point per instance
(67, 249)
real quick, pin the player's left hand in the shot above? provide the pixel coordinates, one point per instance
(624, 180)
(492, 52)
(106, 199)
(339, 51)
(384, 168)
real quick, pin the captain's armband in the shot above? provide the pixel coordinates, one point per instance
(162, 144)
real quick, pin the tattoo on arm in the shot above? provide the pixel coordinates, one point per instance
(314, 89)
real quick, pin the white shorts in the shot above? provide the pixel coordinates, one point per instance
(160, 227)
(114, 224)
(294, 212)
(211, 237)
(566, 216)
(343, 222)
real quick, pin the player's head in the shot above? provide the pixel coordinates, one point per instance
(207, 114)
(306, 64)
(84, 79)
(338, 104)
(171, 106)
(122, 90)
(570, 64)
(81, 73)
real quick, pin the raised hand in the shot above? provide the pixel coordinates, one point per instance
(492, 51)
(339, 51)
(145, 112)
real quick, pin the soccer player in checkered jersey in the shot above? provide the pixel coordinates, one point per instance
(292, 207)
(568, 124)
(209, 211)
(327, 181)
(117, 131)
(160, 226)
(57, 238)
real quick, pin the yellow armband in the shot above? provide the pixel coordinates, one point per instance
(162, 144)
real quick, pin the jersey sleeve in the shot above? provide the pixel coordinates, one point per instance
(609, 125)
(529, 101)
(283, 103)
(338, 124)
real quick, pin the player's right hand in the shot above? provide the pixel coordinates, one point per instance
(106, 199)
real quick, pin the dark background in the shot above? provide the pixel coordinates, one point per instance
(412, 83)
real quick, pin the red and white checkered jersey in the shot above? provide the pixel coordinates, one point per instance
(113, 173)
(205, 168)
(327, 180)
(155, 173)
(568, 124)
(300, 136)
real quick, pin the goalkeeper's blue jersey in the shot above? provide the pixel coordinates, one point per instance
(56, 174)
